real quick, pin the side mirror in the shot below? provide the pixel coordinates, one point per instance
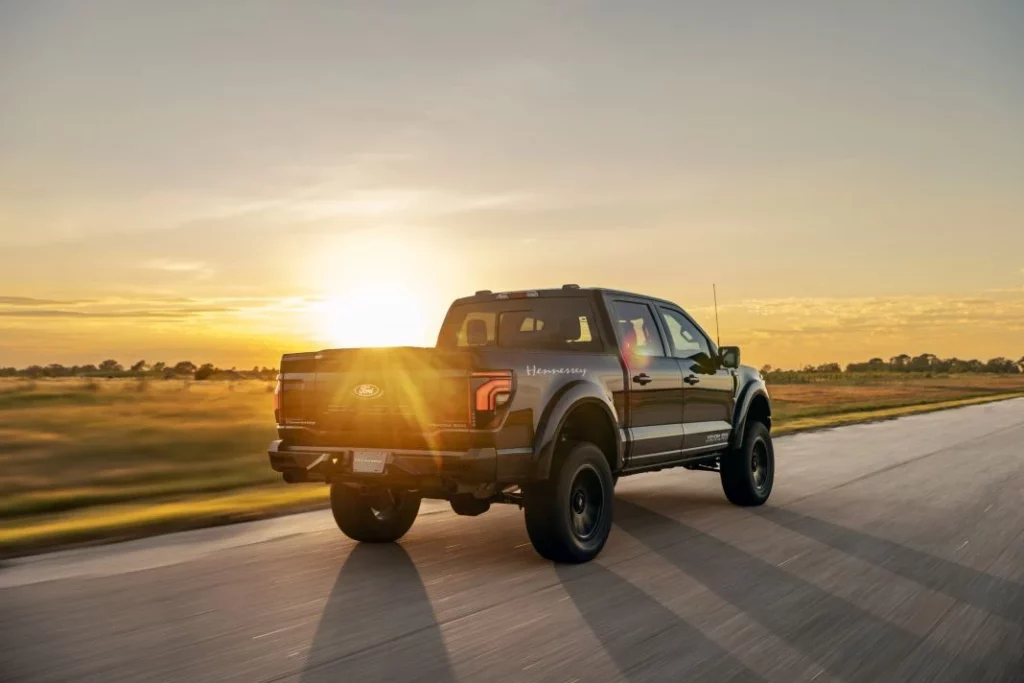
(729, 356)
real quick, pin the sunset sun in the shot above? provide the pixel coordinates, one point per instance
(388, 314)
(382, 296)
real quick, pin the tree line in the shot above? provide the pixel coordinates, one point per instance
(110, 368)
(926, 363)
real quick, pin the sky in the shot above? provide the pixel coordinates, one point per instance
(230, 181)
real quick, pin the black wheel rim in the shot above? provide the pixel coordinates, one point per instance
(759, 465)
(586, 503)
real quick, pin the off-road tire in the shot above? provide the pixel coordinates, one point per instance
(748, 471)
(569, 516)
(358, 519)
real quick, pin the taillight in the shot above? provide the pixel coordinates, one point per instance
(277, 401)
(491, 391)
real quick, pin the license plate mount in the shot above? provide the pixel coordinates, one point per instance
(369, 462)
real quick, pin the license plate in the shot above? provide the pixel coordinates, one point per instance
(369, 462)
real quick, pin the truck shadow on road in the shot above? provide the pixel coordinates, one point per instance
(377, 588)
(646, 640)
(986, 592)
(850, 643)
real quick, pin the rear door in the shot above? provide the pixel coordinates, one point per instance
(655, 395)
(708, 388)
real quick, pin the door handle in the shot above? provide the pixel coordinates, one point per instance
(692, 379)
(642, 378)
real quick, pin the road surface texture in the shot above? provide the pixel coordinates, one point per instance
(889, 552)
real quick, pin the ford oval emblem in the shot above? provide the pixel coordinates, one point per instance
(367, 391)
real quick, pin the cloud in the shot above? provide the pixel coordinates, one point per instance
(796, 330)
(30, 301)
(198, 268)
(327, 201)
(56, 313)
(123, 307)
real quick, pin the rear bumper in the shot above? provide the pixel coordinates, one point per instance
(411, 467)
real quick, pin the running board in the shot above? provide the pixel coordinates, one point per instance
(705, 463)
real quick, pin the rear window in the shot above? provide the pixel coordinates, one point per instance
(552, 324)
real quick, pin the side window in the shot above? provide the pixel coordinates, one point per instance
(687, 340)
(638, 333)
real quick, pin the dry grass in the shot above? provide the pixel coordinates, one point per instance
(67, 446)
(85, 460)
(794, 401)
(803, 424)
(129, 521)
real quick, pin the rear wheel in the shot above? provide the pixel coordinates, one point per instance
(569, 516)
(748, 472)
(382, 517)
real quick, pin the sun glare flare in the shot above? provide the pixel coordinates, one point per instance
(376, 292)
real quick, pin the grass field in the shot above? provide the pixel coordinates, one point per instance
(83, 460)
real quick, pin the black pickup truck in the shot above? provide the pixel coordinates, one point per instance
(538, 398)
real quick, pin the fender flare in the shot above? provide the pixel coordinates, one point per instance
(552, 421)
(747, 395)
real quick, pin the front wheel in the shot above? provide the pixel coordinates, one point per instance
(748, 472)
(379, 518)
(569, 516)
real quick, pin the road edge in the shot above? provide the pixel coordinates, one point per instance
(102, 526)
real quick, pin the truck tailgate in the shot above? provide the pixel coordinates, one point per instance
(396, 390)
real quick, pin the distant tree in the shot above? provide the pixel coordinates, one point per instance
(765, 369)
(111, 365)
(185, 367)
(899, 362)
(205, 371)
(139, 366)
(158, 367)
(922, 363)
(57, 370)
(1020, 364)
(1001, 365)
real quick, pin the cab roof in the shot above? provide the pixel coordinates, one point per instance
(564, 290)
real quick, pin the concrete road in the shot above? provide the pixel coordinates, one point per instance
(888, 552)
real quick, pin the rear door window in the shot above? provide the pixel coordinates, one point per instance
(638, 333)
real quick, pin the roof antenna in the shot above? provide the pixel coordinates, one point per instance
(718, 337)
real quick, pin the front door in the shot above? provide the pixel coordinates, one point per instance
(708, 388)
(655, 395)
